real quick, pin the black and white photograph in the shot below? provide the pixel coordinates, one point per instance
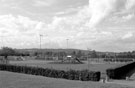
(67, 43)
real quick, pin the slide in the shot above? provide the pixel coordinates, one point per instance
(78, 60)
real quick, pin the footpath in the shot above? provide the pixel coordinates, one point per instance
(129, 82)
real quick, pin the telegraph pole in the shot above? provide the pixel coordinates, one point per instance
(40, 41)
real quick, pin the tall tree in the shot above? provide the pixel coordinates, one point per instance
(6, 51)
(79, 54)
(94, 54)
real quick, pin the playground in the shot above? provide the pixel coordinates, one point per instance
(92, 66)
(67, 63)
(70, 64)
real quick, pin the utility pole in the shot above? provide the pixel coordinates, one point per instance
(40, 41)
(41, 35)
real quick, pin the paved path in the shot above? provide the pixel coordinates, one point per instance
(130, 82)
(123, 82)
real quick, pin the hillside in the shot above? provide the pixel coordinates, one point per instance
(61, 50)
(52, 50)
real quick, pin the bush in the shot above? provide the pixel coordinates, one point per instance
(121, 72)
(84, 75)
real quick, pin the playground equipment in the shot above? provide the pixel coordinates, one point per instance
(71, 59)
(20, 58)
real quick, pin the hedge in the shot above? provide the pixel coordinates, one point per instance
(119, 59)
(84, 75)
(121, 72)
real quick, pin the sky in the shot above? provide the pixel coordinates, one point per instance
(102, 25)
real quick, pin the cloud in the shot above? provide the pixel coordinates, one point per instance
(68, 11)
(114, 26)
(41, 3)
(102, 9)
(128, 17)
(16, 30)
(130, 4)
(128, 35)
(75, 29)
(19, 23)
(103, 25)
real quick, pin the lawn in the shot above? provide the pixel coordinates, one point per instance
(52, 64)
(16, 80)
(49, 64)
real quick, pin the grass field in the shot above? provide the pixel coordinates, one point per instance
(49, 64)
(52, 64)
(16, 80)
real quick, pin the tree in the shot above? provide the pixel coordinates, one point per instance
(6, 51)
(35, 53)
(94, 54)
(73, 53)
(61, 54)
(79, 54)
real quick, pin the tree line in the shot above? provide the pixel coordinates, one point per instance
(6, 51)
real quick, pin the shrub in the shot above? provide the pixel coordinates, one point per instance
(121, 72)
(84, 75)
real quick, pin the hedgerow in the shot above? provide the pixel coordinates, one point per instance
(121, 72)
(84, 75)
